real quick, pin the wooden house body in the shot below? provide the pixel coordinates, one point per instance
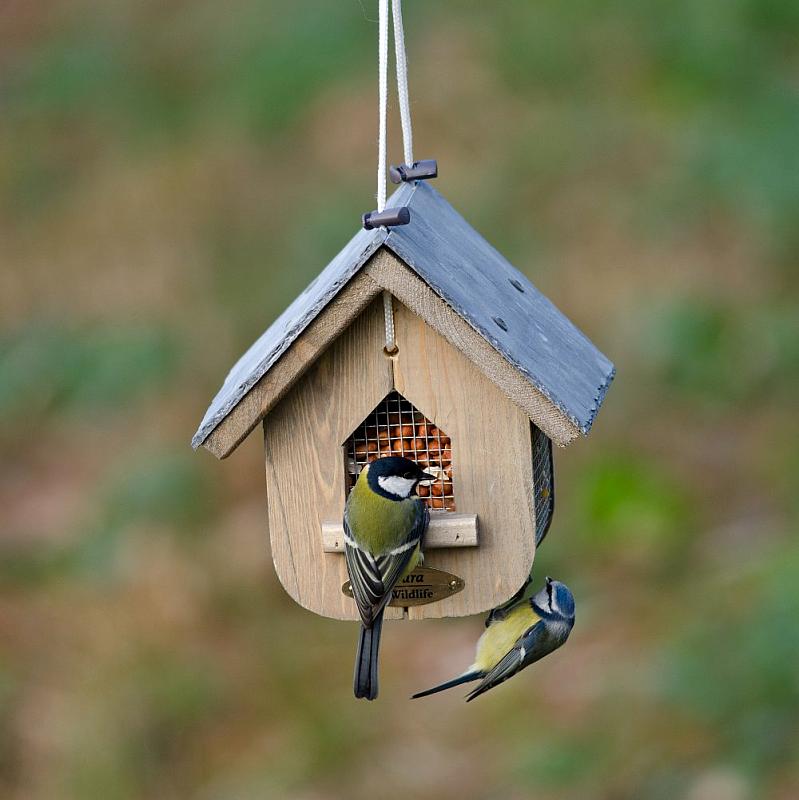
(487, 374)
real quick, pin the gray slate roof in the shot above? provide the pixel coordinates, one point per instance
(470, 276)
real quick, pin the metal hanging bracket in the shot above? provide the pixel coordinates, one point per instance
(418, 171)
(388, 217)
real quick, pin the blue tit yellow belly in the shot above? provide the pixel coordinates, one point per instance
(500, 637)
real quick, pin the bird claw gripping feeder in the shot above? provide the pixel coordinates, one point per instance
(417, 339)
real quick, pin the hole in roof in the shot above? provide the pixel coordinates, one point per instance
(501, 322)
(516, 284)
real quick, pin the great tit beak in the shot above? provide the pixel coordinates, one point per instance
(426, 476)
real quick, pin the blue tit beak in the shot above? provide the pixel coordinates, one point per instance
(548, 580)
(426, 476)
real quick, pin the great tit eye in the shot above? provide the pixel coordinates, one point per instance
(409, 475)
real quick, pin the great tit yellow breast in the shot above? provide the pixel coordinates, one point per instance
(377, 523)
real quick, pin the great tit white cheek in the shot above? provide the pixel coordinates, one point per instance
(396, 485)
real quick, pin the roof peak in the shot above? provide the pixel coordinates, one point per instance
(475, 280)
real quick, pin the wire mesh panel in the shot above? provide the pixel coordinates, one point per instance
(543, 483)
(396, 428)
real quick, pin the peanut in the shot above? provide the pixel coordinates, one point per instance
(362, 448)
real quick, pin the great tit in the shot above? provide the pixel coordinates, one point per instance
(383, 527)
(516, 636)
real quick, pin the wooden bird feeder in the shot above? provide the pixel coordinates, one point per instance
(487, 374)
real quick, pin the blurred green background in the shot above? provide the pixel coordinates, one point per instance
(172, 174)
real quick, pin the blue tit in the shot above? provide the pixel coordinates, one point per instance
(517, 636)
(383, 527)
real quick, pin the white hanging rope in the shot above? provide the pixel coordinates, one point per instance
(388, 314)
(382, 48)
(402, 81)
(402, 92)
(405, 116)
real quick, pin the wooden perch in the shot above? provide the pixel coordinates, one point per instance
(447, 529)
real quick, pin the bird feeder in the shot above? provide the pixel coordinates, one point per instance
(486, 375)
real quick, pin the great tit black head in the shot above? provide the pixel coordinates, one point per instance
(555, 599)
(395, 477)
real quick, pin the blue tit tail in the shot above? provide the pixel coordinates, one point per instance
(365, 683)
(465, 678)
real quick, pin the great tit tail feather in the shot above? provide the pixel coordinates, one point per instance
(366, 659)
(465, 678)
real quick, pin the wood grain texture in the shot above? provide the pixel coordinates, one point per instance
(268, 391)
(391, 274)
(491, 460)
(303, 436)
(446, 529)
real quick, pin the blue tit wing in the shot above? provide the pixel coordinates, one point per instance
(373, 577)
(514, 660)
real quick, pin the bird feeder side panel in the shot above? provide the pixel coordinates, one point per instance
(305, 478)
(543, 482)
(491, 461)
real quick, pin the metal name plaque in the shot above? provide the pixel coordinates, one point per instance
(423, 585)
